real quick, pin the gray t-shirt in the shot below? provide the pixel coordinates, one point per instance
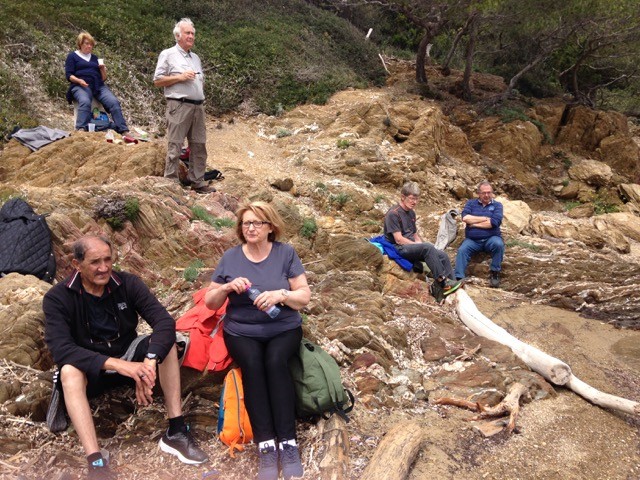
(272, 273)
(400, 220)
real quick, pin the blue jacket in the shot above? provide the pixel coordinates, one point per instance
(389, 249)
(493, 210)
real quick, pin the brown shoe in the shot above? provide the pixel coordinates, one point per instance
(204, 190)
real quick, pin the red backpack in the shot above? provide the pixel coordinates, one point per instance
(206, 344)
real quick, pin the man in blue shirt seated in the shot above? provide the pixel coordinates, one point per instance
(400, 229)
(483, 217)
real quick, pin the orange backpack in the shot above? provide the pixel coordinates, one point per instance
(234, 427)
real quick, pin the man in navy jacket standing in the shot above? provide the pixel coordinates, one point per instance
(90, 328)
(483, 217)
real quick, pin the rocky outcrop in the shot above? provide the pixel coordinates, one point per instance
(23, 321)
(332, 177)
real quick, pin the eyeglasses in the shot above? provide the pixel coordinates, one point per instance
(256, 224)
(412, 198)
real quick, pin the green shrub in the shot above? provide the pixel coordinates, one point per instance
(131, 208)
(601, 206)
(115, 222)
(309, 228)
(193, 270)
(508, 115)
(572, 204)
(339, 198)
(520, 243)
(344, 143)
(117, 210)
(200, 213)
(221, 223)
(283, 132)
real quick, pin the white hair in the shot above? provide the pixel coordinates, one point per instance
(176, 29)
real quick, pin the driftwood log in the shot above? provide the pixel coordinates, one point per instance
(335, 461)
(395, 453)
(510, 405)
(554, 370)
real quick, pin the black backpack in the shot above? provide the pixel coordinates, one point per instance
(25, 242)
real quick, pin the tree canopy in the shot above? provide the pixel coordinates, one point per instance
(588, 49)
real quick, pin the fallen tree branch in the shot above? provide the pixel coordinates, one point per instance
(549, 367)
(395, 453)
(335, 461)
(510, 405)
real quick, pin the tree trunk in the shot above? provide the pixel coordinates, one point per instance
(421, 74)
(396, 453)
(445, 66)
(471, 45)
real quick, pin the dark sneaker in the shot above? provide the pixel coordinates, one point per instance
(99, 470)
(451, 286)
(290, 462)
(268, 469)
(437, 291)
(204, 190)
(494, 279)
(183, 446)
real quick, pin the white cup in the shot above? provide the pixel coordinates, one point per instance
(100, 61)
(92, 127)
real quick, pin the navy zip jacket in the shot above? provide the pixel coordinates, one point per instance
(67, 331)
(493, 210)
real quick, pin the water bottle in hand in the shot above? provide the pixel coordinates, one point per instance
(253, 293)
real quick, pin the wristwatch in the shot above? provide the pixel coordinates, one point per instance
(285, 293)
(152, 356)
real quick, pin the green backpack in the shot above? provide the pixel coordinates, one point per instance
(316, 377)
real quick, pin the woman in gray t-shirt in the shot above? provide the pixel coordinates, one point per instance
(260, 344)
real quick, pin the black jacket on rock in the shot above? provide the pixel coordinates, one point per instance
(67, 332)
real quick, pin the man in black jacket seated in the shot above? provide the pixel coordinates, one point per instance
(90, 328)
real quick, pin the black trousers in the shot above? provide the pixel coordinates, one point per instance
(268, 388)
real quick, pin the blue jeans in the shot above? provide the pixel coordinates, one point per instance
(83, 96)
(437, 261)
(494, 245)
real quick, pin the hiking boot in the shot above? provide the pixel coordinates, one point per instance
(99, 470)
(290, 461)
(183, 446)
(268, 468)
(494, 279)
(204, 190)
(451, 286)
